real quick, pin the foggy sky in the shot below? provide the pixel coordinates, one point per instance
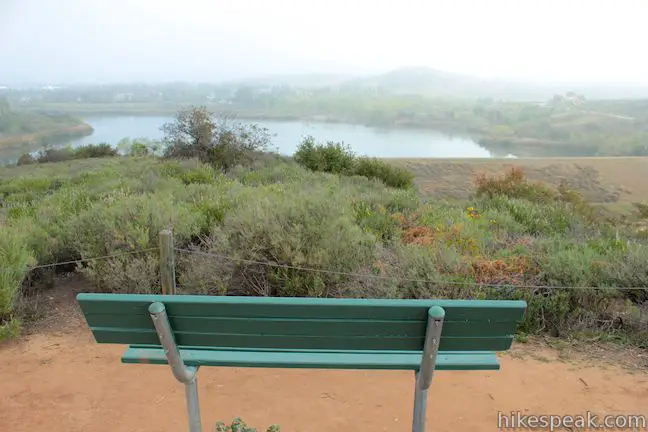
(57, 41)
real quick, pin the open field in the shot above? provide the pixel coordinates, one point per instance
(56, 378)
(614, 181)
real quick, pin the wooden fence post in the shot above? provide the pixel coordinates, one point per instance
(167, 263)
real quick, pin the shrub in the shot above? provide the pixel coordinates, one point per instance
(197, 133)
(54, 155)
(289, 226)
(239, 425)
(332, 157)
(138, 149)
(26, 159)
(95, 151)
(16, 259)
(390, 175)
(336, 158)
(64, 154)
(130, 223)
(512, 184)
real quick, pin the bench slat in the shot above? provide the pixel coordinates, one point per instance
(328, 342)
(235, 323)
(302, 327)
(315, 360)
(292, 307)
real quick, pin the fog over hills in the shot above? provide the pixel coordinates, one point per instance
(437, 83)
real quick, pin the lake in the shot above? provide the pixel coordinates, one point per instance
(363, 140)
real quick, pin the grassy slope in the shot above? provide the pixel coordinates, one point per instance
(282, 213)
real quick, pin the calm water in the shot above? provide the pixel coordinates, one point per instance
(367, 141)
(363, 140)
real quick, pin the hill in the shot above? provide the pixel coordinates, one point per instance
(300, 80)
(437, 83)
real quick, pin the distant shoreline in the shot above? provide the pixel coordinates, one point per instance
(54, 134)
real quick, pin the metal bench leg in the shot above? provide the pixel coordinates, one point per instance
(428, 363)
(184, 374)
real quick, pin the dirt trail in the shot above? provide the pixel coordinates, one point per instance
(60, 380)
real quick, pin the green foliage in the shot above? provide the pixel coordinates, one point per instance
(336, 158)
(16, 259)
(642, 210)
(9, 329)
(290, 226)
(94, 151)
(197, 133)
(50, 155)
(239, 425)
(390, 175)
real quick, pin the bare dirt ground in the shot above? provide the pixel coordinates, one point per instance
(610, 181)
(55, 378)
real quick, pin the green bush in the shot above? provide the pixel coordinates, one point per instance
(94, 151)
(16, 259)
(239, 425)
(390, 175)
(55, 155)
(332, 157)
(50, 155)
(130, 223)
(287, 226)
(337, 158)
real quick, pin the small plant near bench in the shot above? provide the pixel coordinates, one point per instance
(239, 425)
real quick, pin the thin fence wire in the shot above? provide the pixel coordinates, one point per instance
(374, 276)
(79, 261)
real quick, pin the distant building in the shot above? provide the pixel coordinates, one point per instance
(123, 97)
(569, 97)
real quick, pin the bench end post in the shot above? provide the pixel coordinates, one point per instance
(184, 374)
(423, 380)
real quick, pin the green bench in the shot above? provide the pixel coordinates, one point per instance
(187, 332)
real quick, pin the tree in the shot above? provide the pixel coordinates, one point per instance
(191, 133)
(196, 132)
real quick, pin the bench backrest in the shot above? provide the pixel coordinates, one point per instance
(302, 323)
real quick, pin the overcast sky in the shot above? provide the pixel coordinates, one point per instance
(213, 40)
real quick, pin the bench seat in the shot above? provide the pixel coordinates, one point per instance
(314, 359)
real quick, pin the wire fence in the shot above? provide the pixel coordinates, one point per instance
(79, 261)
(323, 271)
(400, 279)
